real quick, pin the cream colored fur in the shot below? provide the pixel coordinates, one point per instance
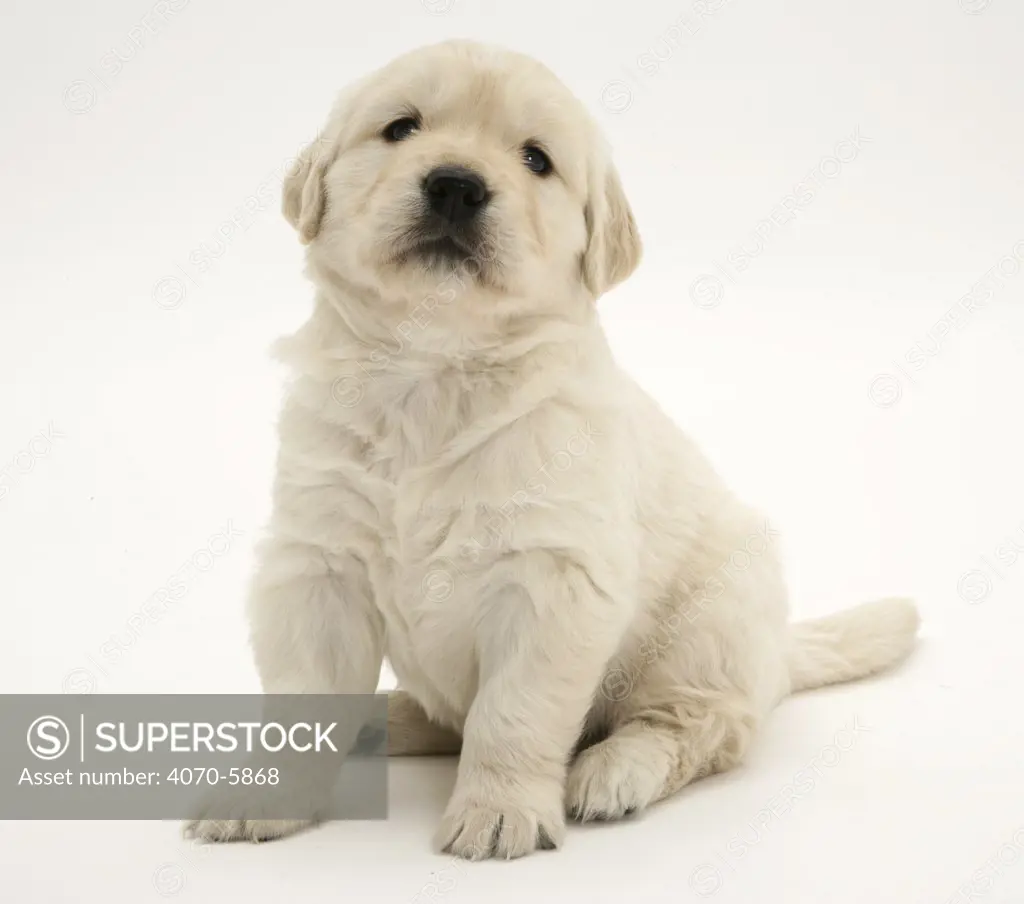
(469, 485)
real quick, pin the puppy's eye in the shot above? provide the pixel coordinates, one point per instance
(536, 160)
(400, 129)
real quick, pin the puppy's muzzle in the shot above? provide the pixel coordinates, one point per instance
(455, 193)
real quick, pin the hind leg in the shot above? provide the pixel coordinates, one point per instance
(697, 695)
(656, 751)
(412, 733)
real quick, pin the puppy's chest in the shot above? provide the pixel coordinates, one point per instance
(436, 497)
(409, 423)
(424, 446)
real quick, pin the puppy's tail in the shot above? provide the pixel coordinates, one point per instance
(411, 733)
(851, 644)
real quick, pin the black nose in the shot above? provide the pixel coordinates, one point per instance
(455, 192)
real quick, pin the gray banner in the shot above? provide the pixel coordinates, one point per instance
(142, 756)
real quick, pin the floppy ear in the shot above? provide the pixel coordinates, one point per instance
(304, 196)
(613, 240)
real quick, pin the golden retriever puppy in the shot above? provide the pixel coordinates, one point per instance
(469, 485)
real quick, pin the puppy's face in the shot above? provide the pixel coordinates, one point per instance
(465, 166)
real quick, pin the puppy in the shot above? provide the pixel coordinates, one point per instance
(468, 485)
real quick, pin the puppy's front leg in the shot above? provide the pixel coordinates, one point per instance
(313, 624)
(543, 642)
(314, 630)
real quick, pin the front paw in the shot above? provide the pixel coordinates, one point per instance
(478, 826)
(240, 813)
(255, 830)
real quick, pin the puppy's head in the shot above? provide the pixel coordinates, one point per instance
(467, 162)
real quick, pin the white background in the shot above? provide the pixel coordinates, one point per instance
(152, 378)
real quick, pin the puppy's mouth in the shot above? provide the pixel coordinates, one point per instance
(435, 244)
(442, 249)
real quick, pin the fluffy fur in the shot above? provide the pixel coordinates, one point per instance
(470, 486)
